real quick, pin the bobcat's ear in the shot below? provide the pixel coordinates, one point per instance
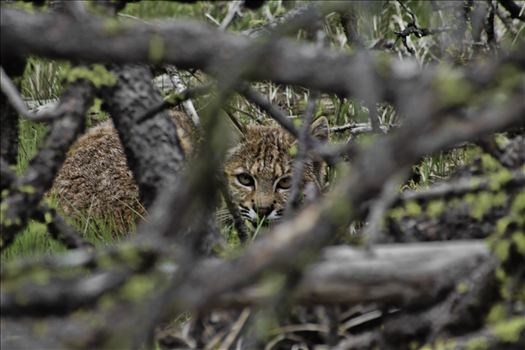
(319, 129)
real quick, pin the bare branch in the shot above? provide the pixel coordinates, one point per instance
(514, 10)
(302, 152)
(27, 191)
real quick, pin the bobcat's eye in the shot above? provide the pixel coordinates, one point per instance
(245, 179)
(284, 183)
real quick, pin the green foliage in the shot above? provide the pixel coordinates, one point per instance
(34, 240)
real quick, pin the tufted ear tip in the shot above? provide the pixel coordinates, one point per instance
(319, 129)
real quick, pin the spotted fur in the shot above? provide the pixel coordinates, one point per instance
(95, 181)
(259, 170)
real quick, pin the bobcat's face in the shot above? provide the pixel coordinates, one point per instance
(259, 172)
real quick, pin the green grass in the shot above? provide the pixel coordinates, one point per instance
(34, 240)
(31, 137)
(166, 9)
(42, 79)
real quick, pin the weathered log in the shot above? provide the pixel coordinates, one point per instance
(391, 275)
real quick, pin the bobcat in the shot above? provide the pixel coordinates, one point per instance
(259, 170)
(95, 180)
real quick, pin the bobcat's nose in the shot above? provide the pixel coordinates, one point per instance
(264, 211)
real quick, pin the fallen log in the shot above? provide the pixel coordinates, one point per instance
(394, 274)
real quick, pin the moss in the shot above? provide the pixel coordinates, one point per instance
(501, 275)
(501, 140)
(481, 204)
(6, 222)
(499, 179)
(293, 150)
(502, 249)
(173, 98)
(397, 213)
(40, 328)
(129, 254)
(478, 343)
(436, 208)
(413, 345)
(510, 77)
(506, 289)
(489, 163)
(462, 288)
(496, 313)
(509, 330)
(137, 288)
(518, 238)
(97, 74)
(518, 208)
(521, 293)
(112, 26)
(451, 87)
(157, 48)
(412, 208)
(27, 189)
(502, 224)
(475, 182)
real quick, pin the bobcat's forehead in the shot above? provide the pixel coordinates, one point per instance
(264, 151)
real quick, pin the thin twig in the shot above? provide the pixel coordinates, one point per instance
(238, 221)
(9, 89)
(236, 329)
(180, 88)
(293, 200)
(460, 187)
(233, 9)
(359, 128)
(175, 99)
(388, 195)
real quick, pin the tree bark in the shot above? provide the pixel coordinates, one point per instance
(153, 150)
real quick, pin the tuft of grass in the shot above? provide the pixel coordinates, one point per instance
(165, 9)
(42, 79)
(30, 138)
(34, 240)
